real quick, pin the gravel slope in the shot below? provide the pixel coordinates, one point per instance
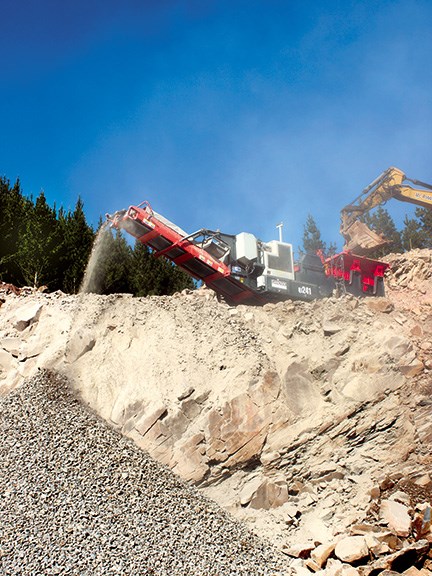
(77, 498)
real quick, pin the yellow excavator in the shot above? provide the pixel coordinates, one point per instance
(392, 183)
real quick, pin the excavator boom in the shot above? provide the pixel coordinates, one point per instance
(392, 183)
(420, 197)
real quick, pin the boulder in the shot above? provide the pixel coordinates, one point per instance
(301, 550)
(399, 561)
(423, 480)
(417, 331)
(351, 548)
(412, 367)
(375, 546)
(238, 429)
(330, 328)
(397, 346)
(270, 494)
(299, 388)
(26, 315)
(382, 305)
(396, 516)
(322, 553)
(422, 524)
(375, 492)
(401, 497)
(249, 489)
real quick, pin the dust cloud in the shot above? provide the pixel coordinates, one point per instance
(95, 270)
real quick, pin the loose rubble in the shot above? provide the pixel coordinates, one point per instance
(310, 422)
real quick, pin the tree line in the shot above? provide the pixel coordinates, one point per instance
(416, 233)
(43, 245)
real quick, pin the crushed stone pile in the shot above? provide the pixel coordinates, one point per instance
(78, 498)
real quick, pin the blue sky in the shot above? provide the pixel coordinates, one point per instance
(230, 115)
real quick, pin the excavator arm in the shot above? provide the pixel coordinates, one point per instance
(392, 183)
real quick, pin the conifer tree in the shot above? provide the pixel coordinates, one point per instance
(312, 241)
(78, 239)
(40, 245)
(116, 266)
(331, 250)
(14, 209)
(412, 234)
(143, 275)
(425, 217)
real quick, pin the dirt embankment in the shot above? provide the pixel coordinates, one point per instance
(296, 416)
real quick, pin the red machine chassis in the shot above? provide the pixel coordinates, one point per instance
(348, 267)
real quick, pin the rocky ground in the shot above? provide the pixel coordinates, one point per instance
(310, 422)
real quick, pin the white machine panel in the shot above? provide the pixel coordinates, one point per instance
(279, 260)
(246, 247)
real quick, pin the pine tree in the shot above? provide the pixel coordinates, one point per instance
(78, 239)
(144, 277)
(39, 245)
(14, 209)
(116, 265)
(412, 235)
(425, 217)
(331, 250)
(312, 241)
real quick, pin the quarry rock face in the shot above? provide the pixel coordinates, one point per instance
(289, 415)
